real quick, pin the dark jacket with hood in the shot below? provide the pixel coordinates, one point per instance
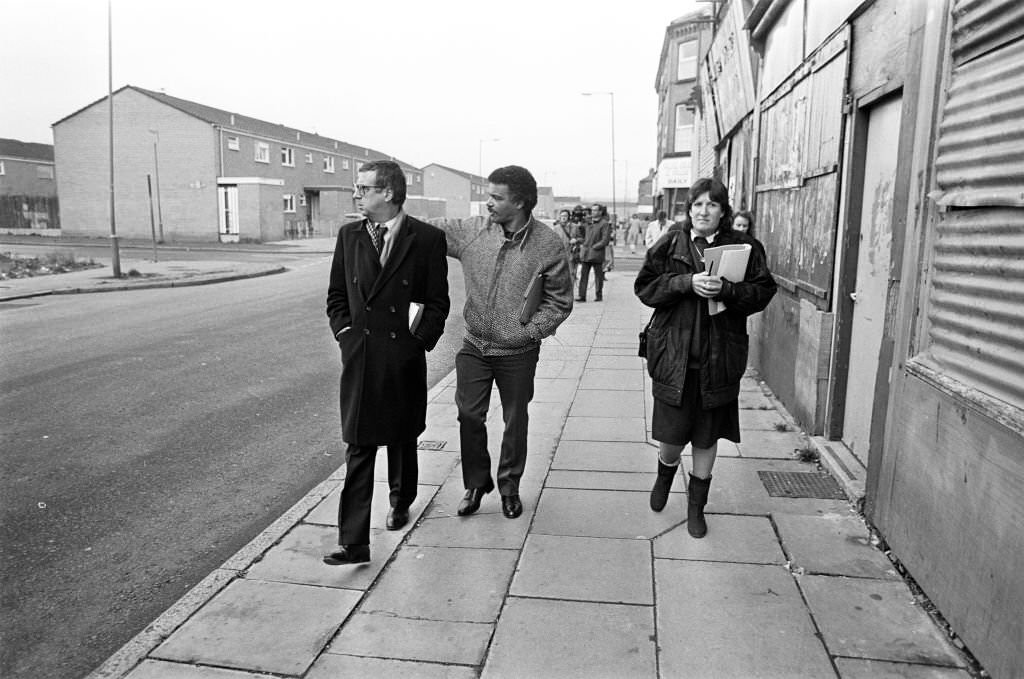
(664, 283)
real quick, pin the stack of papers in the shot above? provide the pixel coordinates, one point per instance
(728, 262)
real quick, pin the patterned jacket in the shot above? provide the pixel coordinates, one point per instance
(498, 271)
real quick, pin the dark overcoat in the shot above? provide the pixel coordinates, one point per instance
(664, 282)
(384, 366)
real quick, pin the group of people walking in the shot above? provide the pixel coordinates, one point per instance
(387, 302)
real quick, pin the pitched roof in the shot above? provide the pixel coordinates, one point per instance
(26, 149)
(467, 175)
(243, 123)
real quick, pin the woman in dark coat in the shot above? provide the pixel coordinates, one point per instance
(695, 359)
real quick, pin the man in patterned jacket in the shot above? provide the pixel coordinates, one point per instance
(502, 256)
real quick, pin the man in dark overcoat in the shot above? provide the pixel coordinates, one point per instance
(387, 303)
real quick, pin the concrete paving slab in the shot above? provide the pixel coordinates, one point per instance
(556, 349)
(750, 384)
(600, 514)
(553, 390)
(614, 351)
(772, 444)
(615, 380)
(878, 619)
(593, 403)
(737, 489)
(156, 669)
(752, 421)
(855, 668)
(833, 544)
(641, 482)
(755, 400)
(559, 369)
(604, 429)
(629, 456)
(389, 636)
(547, 418)
(544, 639)
(736, 539)
(729, 620)
(243, 627)
(616, 362)
(298, 558)
(331, 666)
(466, 585)
(326, 513)
(585, 569)
(488, 530)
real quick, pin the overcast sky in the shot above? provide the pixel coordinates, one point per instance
(424, 80)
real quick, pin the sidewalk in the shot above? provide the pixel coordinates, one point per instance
(588, 582)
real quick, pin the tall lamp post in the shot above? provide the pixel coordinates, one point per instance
(156, 166)
(480, 156)
(115, 254)
(611, 96)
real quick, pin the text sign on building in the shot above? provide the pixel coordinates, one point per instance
(675, 173)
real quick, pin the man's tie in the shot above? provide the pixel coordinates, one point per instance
(377, 232)
(701, 242)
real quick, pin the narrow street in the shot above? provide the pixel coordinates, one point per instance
(148, 435)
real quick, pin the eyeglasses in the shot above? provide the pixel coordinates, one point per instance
(361, 189)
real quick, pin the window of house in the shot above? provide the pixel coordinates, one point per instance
(302, 200)
(684, 129)
(309, 158)
(289, 202)
(262, 152)
(408, 177)
(233, 143)
(3, 170)
(344, 163)
(287, 156)
(44, 172)
(329, 164)
(687, 65)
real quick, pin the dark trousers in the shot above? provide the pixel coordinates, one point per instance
(356, 494)
(513, 376)
(585, 268)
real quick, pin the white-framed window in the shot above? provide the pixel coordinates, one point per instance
(416, 178)
(408, 177)
(262, 152)
(44, 172)
(232, 143)
(329, 164)
(344, 164)
(3, 170)
(287, 156)
(289, 202)
(302, 200)
(686, 68)
(309, 158)
(684, 129)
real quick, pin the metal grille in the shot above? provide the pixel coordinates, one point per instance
(801, 485)
(431, 445)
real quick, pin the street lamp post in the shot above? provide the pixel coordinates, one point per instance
(114, 250)
(156, 166)
(480, 156)
(611, 96)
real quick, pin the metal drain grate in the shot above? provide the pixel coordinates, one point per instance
(431, 445)
(802, 484)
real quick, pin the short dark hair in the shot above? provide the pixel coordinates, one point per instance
(746, 214)
(520, 183)
(718, 193)
(389, 175)
(662, 215)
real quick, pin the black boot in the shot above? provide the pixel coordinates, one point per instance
(662, 484)
(696, 498)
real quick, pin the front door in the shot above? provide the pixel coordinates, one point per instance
(227, 208)
(872, 273)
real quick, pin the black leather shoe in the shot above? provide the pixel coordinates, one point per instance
(397, 518)
(347, 554)
(511, 506)
(471, 500)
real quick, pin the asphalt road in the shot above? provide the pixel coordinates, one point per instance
(147, 436)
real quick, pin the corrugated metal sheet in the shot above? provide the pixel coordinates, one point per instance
(981, 26)
(977, 300)
(980, 157)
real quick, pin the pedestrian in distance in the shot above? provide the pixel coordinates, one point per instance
(387, 302)
(696, 359)
(656, 229)
(636, 232)
(568, 232)
(596, 237)
(518, 291)
(744, 223)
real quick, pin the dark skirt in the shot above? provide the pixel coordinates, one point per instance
(690, 423)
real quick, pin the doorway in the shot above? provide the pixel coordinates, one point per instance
(227, 209)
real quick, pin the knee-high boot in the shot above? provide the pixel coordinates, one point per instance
(662, 485)
(696, 498)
